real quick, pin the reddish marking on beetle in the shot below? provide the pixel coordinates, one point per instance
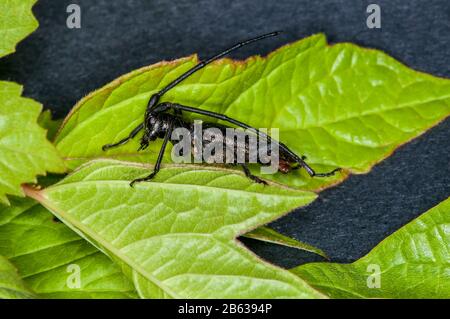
(284, 166)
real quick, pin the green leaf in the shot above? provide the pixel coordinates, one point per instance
(11, 286)
(340, 105)
(24, 149)
(414, 262)
(271, 236)
(46, 121)
(176, 236)
(16, 22)
(47, 253)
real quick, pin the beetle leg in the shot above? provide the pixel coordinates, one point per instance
(251, 176)
(327, 174)
(159, 160)
(126, 139)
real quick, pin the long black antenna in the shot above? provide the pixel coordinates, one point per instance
(217, 56)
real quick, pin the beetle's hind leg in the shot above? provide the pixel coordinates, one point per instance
(312, 173)
(300, 161)
(251, 176)
(327, 174)
(132, 134)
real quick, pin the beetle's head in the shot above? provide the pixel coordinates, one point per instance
(152, 128)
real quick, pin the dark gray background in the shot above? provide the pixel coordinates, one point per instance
(58, 66)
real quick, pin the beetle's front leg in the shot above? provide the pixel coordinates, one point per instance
(159, 160)
(126, 139)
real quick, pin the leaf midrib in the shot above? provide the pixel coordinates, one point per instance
(163, 185)
(368, 113)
